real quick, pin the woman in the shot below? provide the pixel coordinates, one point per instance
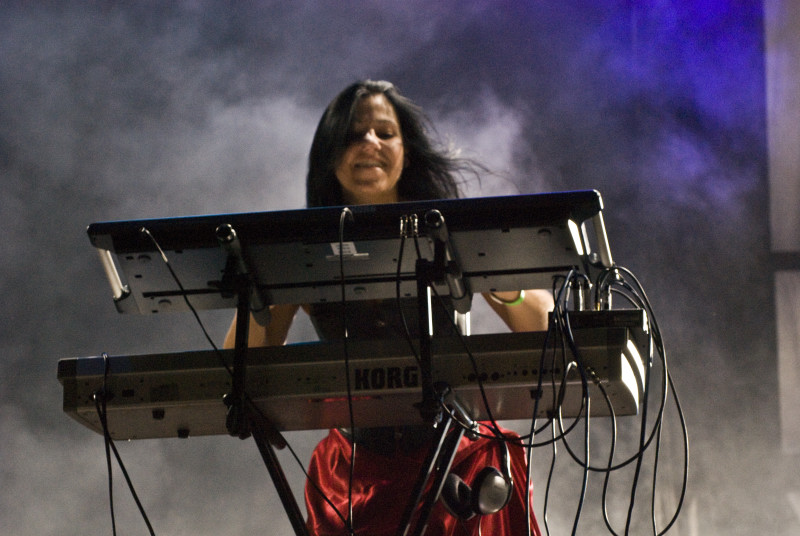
(371, 146)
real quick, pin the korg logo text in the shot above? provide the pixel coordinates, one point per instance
(386, 378)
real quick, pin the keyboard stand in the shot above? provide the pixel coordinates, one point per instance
(244, 419)
(443, 451)
(438, 463)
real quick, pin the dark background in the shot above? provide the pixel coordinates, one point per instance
(116, 111)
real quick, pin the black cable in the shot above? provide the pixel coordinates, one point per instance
(561, 317)
(635, 296)
(562, 323)
(640, 459)
(685, 482)
(550, 475)
(609, 281)
(299, 462)
(562, 327)
(551, 329)
(398, 299)
(497, 434)
(177, 280)
(668, 380)
(585, 480)
(218, 353)
(585, 463)
(653, 520)
(493, 426)
(611, 450)
(440, 301)
(345, 214)
(584, 404)
(529, 447)
(525, 441)
(100, 401)
(554, 330)
(612, 281)
(636, 456)
(106, 439)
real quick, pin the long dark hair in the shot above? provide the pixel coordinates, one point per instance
(430, 172)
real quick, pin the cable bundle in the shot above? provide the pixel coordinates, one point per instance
(559, 353)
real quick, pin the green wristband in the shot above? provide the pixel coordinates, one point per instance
(519, 299)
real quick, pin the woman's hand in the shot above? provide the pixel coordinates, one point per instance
(527, 310)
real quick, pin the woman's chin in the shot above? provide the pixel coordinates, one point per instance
(371, 194)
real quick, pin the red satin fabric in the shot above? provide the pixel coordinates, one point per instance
(382, 485)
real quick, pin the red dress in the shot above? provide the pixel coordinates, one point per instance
(383, 482)
(385, 476)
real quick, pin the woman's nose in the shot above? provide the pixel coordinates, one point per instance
(371, 137)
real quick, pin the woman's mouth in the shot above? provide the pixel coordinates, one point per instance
(368, 164)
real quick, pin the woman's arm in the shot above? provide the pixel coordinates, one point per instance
(273, 334)
(531, 314)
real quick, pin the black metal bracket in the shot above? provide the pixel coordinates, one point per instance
(243, 418)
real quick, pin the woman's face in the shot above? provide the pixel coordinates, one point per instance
(371, 165)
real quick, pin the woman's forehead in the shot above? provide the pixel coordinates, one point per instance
(374, 108)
